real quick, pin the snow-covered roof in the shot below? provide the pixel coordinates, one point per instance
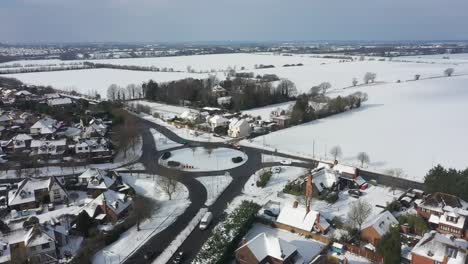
(26, 190)
(36, 236)
(237, 123)
(324, 178)
(23, 92)
(437, 246)
(116, 201)
(381, 223)
(40, 143)
(435, 219)
(59, 101)
(344, 169)
(23, 137)
(218, 89)
(190, 115)
(218, 120)
(97, 179)
(299, 218)
(460, 220)
(46, 125)
(264, 245)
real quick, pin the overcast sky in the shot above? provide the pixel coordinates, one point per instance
(253, 20)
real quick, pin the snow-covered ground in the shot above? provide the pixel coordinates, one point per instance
(412, 125)
(162, 142)
(166, 213)
(340, 75)
(375, 195)
(308, 248)
(202, 159)
(184, 132)
(352, 258)
(214, 185)
(264, 112)
(165, 111)
(271, 158)
(90, 80)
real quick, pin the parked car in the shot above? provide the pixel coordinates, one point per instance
(286, 162)
(166, 155)
(276, 169)
(270, 213)
(206, 220)
(216, 135)
(354, 193)
(51, 207)
(179, 257)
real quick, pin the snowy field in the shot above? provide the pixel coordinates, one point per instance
(87, 81)
(166, 213)
(202, 159)
(165, 111)
(215, 186)
(412, 125)
(308, 248)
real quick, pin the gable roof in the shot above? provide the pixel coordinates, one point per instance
(97, 179)
(381, 223)
(299, 218)
(27, 187)
(439, 200)
(263, 246)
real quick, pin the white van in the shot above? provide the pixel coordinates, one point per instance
(206, 220)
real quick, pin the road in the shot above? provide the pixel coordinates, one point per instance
(197, 192)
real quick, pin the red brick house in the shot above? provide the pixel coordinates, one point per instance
(375, 228)
(436, 248)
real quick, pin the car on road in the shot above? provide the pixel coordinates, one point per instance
(286, 162)
(354, 193)
(166, 155)
(206, 220)
(50, 207)
(270, 213)
(276, 169)
(179, 258)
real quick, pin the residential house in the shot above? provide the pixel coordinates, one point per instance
(97, 181)
(18, 143)
(191, 116)
(44, 126)
(436, 248)
(239, 128)
(302, 220)
(218, 91)
(267, 249)
(218, 121)
(282, 121)
(110, 205)
(324, 179)
(35, 245)
(375, 228)
(48, 147)
(225, 100)
(445, 212)
(94, 148)
(95, 129)
(31, 192)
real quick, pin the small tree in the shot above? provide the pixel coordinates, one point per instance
(390, 246)
(358, 212)
(355, 81)
(336, 152)
(417, 76)
(363, 157)
(168, 184)
(449, 71)
(324, 87)
(369, 77)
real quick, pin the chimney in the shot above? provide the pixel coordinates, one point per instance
(295, 204)
(104, 204)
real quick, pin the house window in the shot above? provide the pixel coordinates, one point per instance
(57, 194)
(46, 246)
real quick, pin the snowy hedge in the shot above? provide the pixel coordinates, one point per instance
(227, 235)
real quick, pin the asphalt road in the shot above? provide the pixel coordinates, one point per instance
(197, 192)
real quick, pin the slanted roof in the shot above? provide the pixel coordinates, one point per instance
(116, 201)
(440, 200)
(324, 178)
(381, 223)
(435, 246)
(46, 125)
(59, 101)
(299, 218)
(263, 246)
(97, 179)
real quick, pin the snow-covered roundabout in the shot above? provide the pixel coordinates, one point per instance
(203, 159)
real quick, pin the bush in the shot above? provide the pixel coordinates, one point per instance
(416, 223)
(394, 206)
(172, 163)
(331, 197)
(296, 187)
(264, 178)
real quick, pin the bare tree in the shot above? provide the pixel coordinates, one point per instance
(112, 92)
(358, 212)
(131, 91)
(355, 81)
(314, 91)
(324, 87)
(287, 88)
(336, 152)
(142, 208)
(363, 157)
(369, 77)
(449, 71)
(168, 184)
(417, 76)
